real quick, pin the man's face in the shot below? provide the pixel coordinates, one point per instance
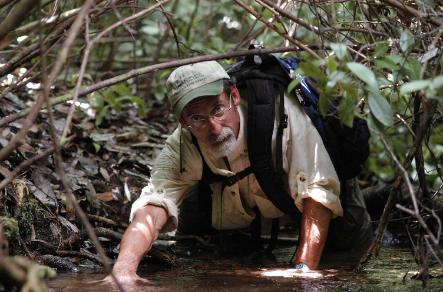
(214, 121)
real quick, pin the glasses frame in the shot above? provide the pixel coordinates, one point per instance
(205, 120)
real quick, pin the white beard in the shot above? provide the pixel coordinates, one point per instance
(224, 149)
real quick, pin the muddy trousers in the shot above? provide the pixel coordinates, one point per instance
(352, 231)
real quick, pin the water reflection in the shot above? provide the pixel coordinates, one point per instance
(220, 273)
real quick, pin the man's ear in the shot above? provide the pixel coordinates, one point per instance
(235, 95)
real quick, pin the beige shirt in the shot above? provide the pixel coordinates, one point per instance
(308, 168)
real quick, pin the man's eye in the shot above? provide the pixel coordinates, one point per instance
(218, 110)
(197, 119)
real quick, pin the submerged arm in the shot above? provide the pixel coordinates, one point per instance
(137, 240)
(313, 233)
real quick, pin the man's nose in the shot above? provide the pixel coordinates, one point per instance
(214, 126)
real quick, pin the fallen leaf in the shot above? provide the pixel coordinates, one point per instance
(105, 197)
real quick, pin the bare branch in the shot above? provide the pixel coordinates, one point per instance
(89, 45)
(274, 28)
(16, 16)
(19, 137)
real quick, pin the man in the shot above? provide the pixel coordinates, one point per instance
(208, 107)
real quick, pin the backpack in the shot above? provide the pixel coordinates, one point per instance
(263, 81)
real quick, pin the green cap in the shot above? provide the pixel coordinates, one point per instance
(189, 82)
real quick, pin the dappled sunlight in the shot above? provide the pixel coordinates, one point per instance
(139, 227)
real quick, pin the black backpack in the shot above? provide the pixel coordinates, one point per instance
(263, 81)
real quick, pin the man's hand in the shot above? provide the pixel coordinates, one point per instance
(137, 240)
(129, 281)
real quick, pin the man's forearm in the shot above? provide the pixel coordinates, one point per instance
(313, 233)
(139, 236)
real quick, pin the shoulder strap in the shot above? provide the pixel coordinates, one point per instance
(261, 97)
(209, 177)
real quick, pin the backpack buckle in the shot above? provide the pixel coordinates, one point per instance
(284, 121)
(231, 180)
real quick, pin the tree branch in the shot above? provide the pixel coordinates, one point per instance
(16, 16)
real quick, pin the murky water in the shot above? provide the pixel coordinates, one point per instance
(254, 273)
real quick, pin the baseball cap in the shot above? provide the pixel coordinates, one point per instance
(189, 82)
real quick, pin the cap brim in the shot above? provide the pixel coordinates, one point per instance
(210, 89)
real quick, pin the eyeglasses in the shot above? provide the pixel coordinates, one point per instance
(218, 114)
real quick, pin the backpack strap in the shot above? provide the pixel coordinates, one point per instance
(210, 177)
(261, 95)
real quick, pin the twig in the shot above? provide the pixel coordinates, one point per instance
(292, 17)
(171, 25)
(89, 45)
(390, 202)
(106, 221)
(274, 28)
(16, 16)
(149, 69)
(411, 11)
(24, 165)
(58, 159)
(29, 121)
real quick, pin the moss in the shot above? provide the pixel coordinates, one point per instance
(10, 227)
(30, 214)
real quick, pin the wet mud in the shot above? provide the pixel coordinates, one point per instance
(391, 270)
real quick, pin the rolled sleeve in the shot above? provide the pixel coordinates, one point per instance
(168, 183)
(310, 169)
(150, 197)
(319, 194)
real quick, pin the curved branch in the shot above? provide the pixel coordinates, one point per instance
(414, 12)
(275, 29)
(16, 16)
(149, 69)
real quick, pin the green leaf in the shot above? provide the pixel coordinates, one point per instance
(332, 63)
(412, 68)
(126, 47)
(363, 73)
(396, 59)
(96, 100)
(324, 102)
(414, 86)
(340, 50)
(136, 100)
(122, 89)
(437, 82)
(406, 40)
(380, 108)
(293, 84)
(150, 29)
(217, 42)
(101, 115)
(346, 110)
(373, 124)
(312, 71)
(335, 77)
(380, 50)
(96, 147)
(385, 63)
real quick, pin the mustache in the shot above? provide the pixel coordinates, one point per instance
(224, 134)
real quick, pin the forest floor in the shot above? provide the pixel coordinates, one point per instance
(106, 168)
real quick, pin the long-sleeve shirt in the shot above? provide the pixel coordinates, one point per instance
(308, 172)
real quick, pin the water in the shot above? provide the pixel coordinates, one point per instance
(203, 272)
